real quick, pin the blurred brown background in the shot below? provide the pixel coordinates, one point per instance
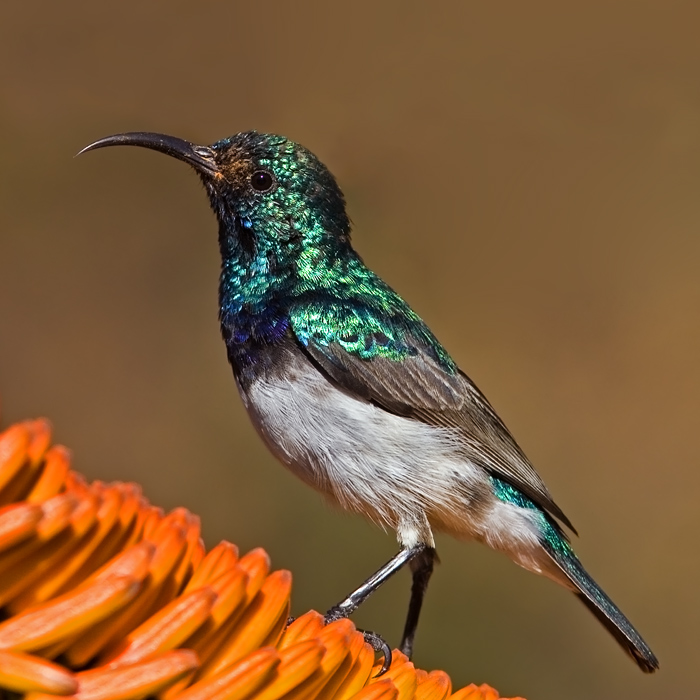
(525, 173)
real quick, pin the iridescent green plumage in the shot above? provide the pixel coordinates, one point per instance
(292, 259)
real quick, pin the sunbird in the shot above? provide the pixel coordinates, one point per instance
(350, 389)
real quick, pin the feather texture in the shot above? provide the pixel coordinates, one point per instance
(418, 387)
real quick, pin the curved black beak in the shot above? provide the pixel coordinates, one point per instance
(201, 158)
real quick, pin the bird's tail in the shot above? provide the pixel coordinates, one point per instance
(593, 597)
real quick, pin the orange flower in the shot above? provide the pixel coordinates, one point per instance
(104, 597)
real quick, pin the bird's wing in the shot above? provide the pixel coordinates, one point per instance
(397, 385)
(404, 370)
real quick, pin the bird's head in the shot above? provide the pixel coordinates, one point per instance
(267, 191)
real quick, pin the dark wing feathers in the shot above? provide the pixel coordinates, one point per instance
(398, 386)
(419, 387)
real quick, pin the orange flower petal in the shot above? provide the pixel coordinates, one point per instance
(25, 673)
(164, 529)
(103, 635)
(117, 538)
(165, 630)
(137, 680)
(214, 636)
(77, 485)
(191, 525)
(488, 692)
(35, 561)
(335, 663)
(297, 663)
(306, 626)
(53, 583)
(20, 483)
(381, 690)
(231, 590)
(57, 515)
(13, 452)
(273, 636)
(435, 686)
(18, 522)
(152, 521)
(170, 546)
(135, 562)
(53, 475)
(80, 647)
(67, 614)
(256, 564)
(198, 552)
(215, 563)
(239, 681)
(360, 671)
(132, 502)
(135, 534)
(40, 430)
(347, 670)
(475, 692)
(236, 588)
(265, 610)
(402, 673)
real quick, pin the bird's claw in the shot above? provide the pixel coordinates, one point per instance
(372, 638)
(380, 646)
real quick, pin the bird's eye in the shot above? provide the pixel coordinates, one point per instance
(262, 181)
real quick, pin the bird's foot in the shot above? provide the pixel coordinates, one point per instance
(376, 641)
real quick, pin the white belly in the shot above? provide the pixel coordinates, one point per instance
(401, 473)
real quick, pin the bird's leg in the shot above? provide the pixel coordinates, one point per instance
(353, 601)
(422, 568)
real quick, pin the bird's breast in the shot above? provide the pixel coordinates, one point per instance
(250, 333)
(392, 469)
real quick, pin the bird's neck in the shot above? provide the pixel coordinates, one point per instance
(263, 280)
(252, 288)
